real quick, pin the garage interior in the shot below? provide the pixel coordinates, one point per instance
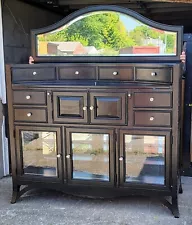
(20, 16)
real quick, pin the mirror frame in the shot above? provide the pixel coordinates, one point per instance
(99, 59)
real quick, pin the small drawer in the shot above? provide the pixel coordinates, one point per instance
(77, 73)
(33, 74)
(116, 73)
(29, 97)
(30, 115)
(152, 118)
(163, 75)
(152, 99)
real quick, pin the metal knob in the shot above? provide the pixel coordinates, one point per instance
(84, 108)
(68, 156)
(76, 72)
(48, 93)
(115, 73)
(34, 73)
(121, 158)
(91, 107)
(28, 97)
(129, 95)
(153, 74)
(59, 156)
(29, 114)
(151, 99)
(151, 118)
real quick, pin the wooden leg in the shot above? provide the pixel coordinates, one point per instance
(175, 208)
(180, 186)
(15, 194)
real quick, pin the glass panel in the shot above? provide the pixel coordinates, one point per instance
(145, 159)
(39, 153)
(106, 33)
(90, 156)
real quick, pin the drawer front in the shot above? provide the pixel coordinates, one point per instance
(29, 97)
(77, 73)
(33, 74)
(30, 115)
(163, 75)
(152, 99)
(151, 118)
(116, 73)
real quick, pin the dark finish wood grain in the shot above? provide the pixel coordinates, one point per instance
(30, 115)
(116, 73)
(153, 74)
(70, 107)
(152, 118)
(33, 74)
(153, 99)
(25, 97)
(77, 73)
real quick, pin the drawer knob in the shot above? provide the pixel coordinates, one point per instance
(121, 158)
(29, 114)
(153, 74)
(68, 156)
(151, 99)
(151, 118)
(59, 156)
(84, 108)
(28, 97)
(34, 73)
(76, 72)
(115, 73)
(91, 108)
(129, 95)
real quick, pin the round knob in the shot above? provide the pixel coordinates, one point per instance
(151, 99)
(121, 158)
(129, 95)
(153, 74)
(68, 156)
(91, 107)
(151, 118)
(29, 114)
(28, 97)
(59, 156)
(84, 108)
(115, 73)
(34, 73)
(77, 72)
(48, 93)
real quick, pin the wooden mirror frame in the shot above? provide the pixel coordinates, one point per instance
(99, 59)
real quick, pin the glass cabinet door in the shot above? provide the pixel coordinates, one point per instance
(144, 158)
(39, 152)
(90, 155)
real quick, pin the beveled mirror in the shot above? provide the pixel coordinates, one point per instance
(111, 32)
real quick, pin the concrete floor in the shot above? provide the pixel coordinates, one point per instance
(55, 208)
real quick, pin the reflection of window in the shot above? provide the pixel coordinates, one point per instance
(91, 35)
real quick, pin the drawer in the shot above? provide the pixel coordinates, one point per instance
(33, 74)
(152, 99)
(152, 118)
(30, 115)
(116, 73)
(77, 73)
(29, 97)
(163, 75)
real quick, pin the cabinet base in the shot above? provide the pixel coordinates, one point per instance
(88, 192)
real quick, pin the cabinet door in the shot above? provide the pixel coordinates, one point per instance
(90, 156)
(144, 158)
(39, 153)
(70, 107)
(108, 108)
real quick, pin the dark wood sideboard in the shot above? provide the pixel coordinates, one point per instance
(114, 127)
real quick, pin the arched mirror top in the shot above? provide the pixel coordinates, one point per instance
(106, 34)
